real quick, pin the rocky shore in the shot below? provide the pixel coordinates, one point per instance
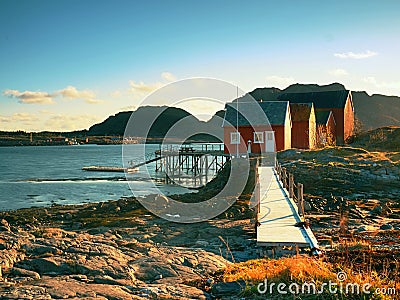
(118, 250)
(114, 250)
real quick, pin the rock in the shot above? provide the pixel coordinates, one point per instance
(376, 211)
(228, 288)
(9, 257)
(150, 268)
(48, 265)
(202, 243)
(4, 226)
(79, 277)
(106, 280)
(39, 250)
(362, 228)
(386, 227)
(4, 223)
(307, 206)
(24, 273)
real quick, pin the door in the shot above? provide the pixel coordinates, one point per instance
(269, 141)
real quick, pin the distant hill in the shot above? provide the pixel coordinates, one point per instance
(380, 139)
(373, 111)
(156, 121)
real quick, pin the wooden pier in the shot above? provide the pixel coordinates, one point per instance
(280, 220)
(108, 169)
(194, 166)
(189, 164)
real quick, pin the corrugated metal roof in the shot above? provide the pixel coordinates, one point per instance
(300, 111)
(250, 114)
(331, 99)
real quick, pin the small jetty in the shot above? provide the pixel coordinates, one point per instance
(281, 223)
(197, 163)
(107, 169)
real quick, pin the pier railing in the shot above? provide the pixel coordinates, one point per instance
(295, 190)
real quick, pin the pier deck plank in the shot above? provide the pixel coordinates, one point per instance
(278, 215)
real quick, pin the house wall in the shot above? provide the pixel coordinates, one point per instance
(287, 135)
(246, 133)
(312, 129)
(331, 131)
(300, 135)
(326, 134)
(348, 118)
(280, 139)
(338, 114)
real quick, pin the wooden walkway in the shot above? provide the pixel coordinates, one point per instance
(278, 215)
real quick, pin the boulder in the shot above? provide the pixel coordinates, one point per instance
(228, 288)
(24, 273)
(386, 227)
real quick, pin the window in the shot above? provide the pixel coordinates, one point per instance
(270, 136)
(235, 137)
(258, 138)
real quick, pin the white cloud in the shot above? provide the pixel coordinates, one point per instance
(359, 55)
(116, 94)
(94, 101)
(24, 118)
(168, 76)
(375, 86)
(140, 88)
(61, 122)
(279, 81)
(386, 85)
(128, 108)
(29, 97)
(338, 72)
(143, 88)
(72, 93)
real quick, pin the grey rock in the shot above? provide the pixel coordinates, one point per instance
(362, 228)
(48, 265)
(386, 227)
(24, 273)
(106, 280)
(228, 288)
(39, 250)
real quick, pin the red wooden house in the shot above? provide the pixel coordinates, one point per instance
(261, 129)
(339, 102)
(304, 134)
(326, 126)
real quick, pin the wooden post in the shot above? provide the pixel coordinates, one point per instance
(291, 185)
(300, 200)
(284, 178)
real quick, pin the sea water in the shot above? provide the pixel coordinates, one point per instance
(46, 175)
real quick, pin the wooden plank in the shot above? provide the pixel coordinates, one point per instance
(278, 215)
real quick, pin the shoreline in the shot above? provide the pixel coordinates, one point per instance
(117, 249)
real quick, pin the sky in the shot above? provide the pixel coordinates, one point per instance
(67, 64)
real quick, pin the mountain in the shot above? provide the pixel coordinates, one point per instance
(158, 122)
(372, 111)
(377, 110)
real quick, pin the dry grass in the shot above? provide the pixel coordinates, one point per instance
(300, 268)
(305, 269)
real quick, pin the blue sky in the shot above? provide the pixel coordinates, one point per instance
(65, 65)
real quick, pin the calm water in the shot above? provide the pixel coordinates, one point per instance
(41, 176)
